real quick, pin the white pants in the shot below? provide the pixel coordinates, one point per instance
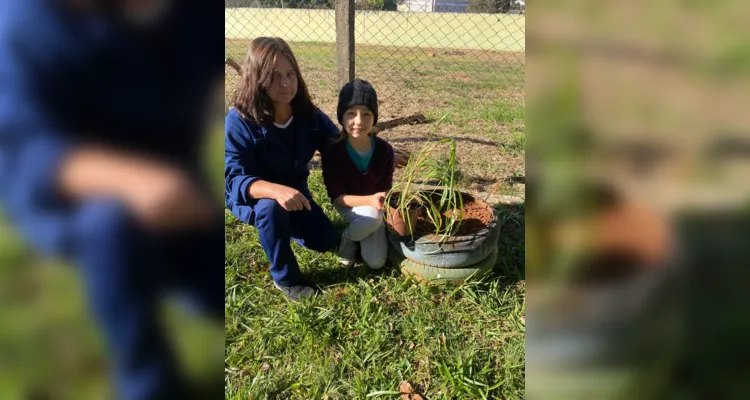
(366, 226)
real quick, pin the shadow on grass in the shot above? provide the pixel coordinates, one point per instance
(342, 274)
(511, 262)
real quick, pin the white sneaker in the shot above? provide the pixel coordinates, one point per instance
(347, 252)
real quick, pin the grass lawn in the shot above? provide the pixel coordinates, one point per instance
(50, 348)
(370, 330)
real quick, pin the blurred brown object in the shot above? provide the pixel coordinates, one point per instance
(619, 238)
(401, 157)
(231, 63)
(633, 229)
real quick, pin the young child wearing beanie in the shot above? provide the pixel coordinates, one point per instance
(358, 171)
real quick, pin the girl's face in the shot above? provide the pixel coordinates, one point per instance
(284, 84)
(358, 121)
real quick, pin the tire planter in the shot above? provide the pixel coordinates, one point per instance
(453, 252)
(436, 275)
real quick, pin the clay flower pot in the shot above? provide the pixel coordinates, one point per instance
(396, 222)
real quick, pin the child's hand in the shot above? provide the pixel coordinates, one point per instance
(377, 201)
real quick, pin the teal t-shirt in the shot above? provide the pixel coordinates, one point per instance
(361, 159)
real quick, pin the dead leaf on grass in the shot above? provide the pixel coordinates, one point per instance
(340, 293)
(407, 392)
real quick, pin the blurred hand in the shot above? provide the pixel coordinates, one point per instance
(161, 196)
(377, 200)
(167, 199)
(290, 199)
(400, 158)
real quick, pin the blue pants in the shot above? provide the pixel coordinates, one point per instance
(126, 270)
(276, 227)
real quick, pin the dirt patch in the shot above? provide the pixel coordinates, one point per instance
(462, 77)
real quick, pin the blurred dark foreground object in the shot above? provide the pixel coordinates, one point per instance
(103, 110)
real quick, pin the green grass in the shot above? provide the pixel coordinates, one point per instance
(465, 112)
(50, 346)
(503, 112)
(404, 73)
(368, 331)
(516, 143)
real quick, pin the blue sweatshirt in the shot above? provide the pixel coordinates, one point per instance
(272, 154)
(69, 78)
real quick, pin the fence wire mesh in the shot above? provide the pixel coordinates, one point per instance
(418, 61)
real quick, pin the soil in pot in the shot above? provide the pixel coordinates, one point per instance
(476, 216)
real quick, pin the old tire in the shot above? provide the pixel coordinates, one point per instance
(434, 275)
(451, 252)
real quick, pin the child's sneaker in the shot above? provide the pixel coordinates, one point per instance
(347, 252)
(296, 292)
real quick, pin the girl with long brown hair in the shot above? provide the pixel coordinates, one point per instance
(271, 134)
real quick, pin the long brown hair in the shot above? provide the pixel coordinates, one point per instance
(251, 96)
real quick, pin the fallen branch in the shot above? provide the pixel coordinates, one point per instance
(228, 61)
(411, 120)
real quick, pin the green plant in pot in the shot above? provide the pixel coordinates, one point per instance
(442, 204)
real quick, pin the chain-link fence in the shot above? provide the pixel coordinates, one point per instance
(418, 61)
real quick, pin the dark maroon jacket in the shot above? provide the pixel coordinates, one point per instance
(341, 176)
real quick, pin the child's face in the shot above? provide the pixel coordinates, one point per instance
(358, 121)
(284, 85)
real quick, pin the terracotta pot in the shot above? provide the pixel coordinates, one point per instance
(396, 222)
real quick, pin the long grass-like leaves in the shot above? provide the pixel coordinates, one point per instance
(442, 206)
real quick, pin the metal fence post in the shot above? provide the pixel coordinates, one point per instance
(345, 41)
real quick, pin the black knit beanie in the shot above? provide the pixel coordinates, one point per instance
(357, 93)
